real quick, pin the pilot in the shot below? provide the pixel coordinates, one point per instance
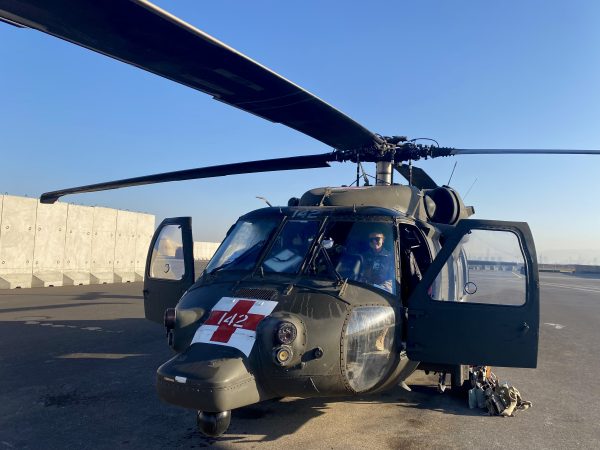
(378, 263)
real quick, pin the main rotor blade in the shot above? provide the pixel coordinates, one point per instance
(139, 33)
(515, 151)
(266, 165)
(419, 177)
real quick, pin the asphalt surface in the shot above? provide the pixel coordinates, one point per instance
(77, 370)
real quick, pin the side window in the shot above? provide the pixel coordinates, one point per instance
(167, 255)
(363, 252)
(487, 266)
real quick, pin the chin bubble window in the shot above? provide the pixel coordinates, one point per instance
(369, 346)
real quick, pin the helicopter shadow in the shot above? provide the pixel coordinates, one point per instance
(274, 419)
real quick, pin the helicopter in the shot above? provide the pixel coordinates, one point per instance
(345, 290)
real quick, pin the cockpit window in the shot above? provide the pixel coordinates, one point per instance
(360, 251)
(291, 246)
(241, 248)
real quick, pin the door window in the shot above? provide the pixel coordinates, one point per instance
(487, 266)
(167, 255)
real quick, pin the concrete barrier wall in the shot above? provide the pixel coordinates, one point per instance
(205, 250)
(124, 265)
(144, 232)
(52, 245)
(17, 240)
(78, 245)
(103, 245)
(587, 269)
(49, 244)
(66, 244)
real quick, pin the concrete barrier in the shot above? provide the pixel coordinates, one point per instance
(49, 247)
(103, 245)
(124, 265)
(66, 244)
(203, 252)
(580, 268)
(144, 232)
(17, 241)
(78, 245)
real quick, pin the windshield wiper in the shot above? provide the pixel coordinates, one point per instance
(330, 265)
(320, 249)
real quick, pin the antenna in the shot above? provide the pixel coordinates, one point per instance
(264, 200)
(451, 174)
(469, 190)
(364, 174)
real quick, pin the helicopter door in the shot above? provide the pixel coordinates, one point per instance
(169, 267)
(478, 302)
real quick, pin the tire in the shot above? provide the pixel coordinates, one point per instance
(459, 379)
(213, 424)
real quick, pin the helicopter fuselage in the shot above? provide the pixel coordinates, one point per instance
(284, 307)
(348, 332)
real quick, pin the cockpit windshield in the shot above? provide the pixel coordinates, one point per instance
(360, 251)
(291, 246)
(241, 248)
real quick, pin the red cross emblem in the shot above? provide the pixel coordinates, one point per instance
(233, 322)
(236, 318)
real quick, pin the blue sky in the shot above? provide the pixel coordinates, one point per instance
(470, 74)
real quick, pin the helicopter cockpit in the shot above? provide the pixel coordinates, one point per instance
(339, 245)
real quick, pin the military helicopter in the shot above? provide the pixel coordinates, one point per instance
(346, 290)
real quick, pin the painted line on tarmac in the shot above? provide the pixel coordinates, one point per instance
(58, 325)
(558, 326)
(568, 286)
(99, 355)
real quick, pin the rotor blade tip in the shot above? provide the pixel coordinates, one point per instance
(48, 199)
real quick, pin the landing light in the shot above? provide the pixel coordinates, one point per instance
(286, 333)
(283, 355)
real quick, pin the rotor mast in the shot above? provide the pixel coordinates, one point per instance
(384, 173)
(385, 165)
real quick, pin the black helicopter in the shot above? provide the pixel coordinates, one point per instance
(346, 290)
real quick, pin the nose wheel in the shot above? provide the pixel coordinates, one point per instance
(213, 423)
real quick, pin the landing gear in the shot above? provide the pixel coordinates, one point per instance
(459, 379)
(441, 386)
(213, 423)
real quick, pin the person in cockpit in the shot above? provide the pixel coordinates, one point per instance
(378, 262)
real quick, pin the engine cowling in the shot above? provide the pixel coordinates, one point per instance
(444, 205)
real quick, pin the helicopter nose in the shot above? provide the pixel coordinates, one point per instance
(209, 378)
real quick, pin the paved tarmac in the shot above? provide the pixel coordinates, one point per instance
(77, 369)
